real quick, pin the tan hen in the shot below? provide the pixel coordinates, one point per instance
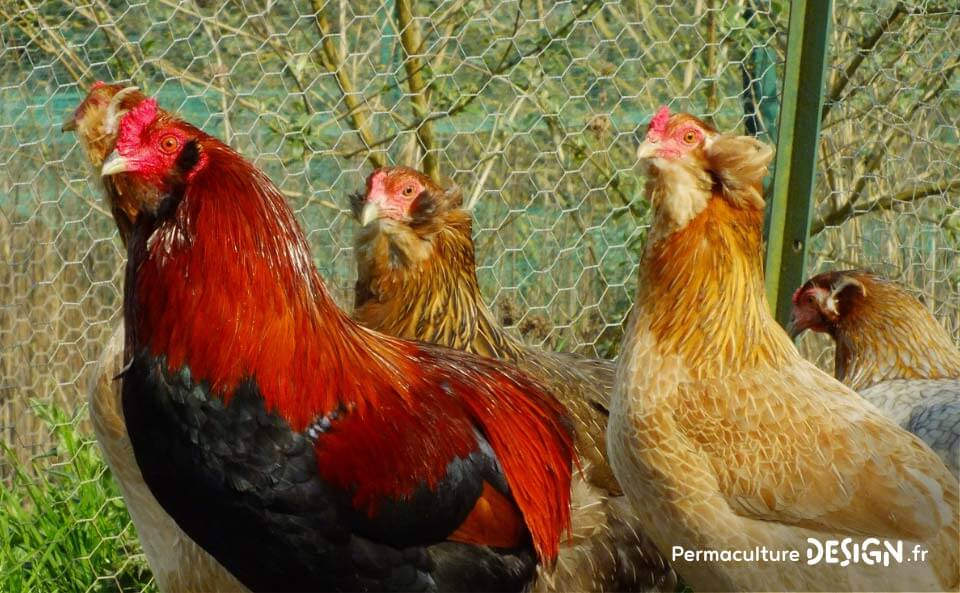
(179, 565)
(723, 436)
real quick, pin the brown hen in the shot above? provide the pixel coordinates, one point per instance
(417, 279)
(891, 350)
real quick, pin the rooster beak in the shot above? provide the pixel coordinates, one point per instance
(371, 212)
(115, 164)
(646, 151)
(70, 125)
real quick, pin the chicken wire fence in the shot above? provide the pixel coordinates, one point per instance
(532, 107)
(888, 176)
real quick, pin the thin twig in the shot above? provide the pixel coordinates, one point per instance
(410, 39)
(334, 63)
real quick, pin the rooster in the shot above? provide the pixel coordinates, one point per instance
(304, 452)
(177, 562)
(891, 350)
(773, 451)
(417, 279)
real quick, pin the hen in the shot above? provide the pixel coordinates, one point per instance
(891, 350)
(305, 452)
(417, 279)
(773, 451)
(178, 564)
(95, 122)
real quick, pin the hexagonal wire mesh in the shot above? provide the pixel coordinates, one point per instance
(888, 185)
(531, 107)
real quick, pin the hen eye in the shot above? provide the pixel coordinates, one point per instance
(408, 191)
(169, 143)
(690, 137)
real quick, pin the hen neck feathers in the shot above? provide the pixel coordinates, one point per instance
(701, 284)
(420, 282)
(890, 335)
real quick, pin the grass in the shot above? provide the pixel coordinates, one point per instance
(63, 523)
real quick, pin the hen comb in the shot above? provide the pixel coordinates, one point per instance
(97, 85)
(134, 122)
(375, 180)
(658, 125)
(795, 299)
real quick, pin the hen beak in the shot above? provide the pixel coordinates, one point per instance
(646, 151)
(115, 164)
(793, 331)
(371, 212)
(70, 125)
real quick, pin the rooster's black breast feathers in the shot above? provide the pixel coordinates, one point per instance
(246, 487)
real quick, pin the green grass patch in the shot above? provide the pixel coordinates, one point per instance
(63, 523)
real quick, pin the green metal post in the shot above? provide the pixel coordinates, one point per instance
(802, 104)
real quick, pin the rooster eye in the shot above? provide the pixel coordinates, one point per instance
(690, 137)
(169, 143)
(408, 191)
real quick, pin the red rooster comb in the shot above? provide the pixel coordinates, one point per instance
(658, 125)
(133, 123)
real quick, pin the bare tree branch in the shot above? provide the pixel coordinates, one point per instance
(112, 33)
(504, 66)
(58, 47)
(869, 43)
(873, 160)
(852, 210)
(220, 75)
(866, 46)
(269, 36)
(710, 56)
